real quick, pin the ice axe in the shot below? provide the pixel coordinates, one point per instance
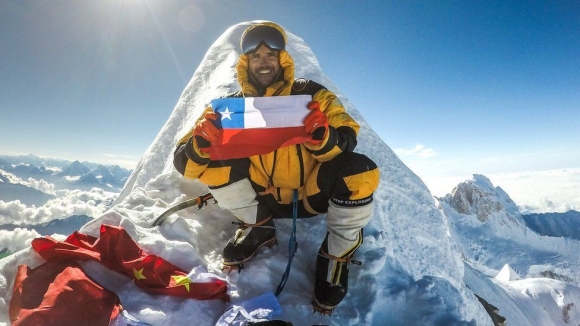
(199, 201)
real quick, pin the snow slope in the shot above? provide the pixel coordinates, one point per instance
(528, 302)
(531, 279)
(492, 232)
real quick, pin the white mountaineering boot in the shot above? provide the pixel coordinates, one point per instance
(343, 238)
(256, 228)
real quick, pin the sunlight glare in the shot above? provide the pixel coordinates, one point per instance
(191, 19)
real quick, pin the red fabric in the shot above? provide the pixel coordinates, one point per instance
(60, 293)
(237, 143)
(117, 251)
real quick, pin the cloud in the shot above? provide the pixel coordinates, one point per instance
(68, 203)
(11, 177)
(47, 188)
(542, 191)
(17, 239)
(126, 161)
(419, 151)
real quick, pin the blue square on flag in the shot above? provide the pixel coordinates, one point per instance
(231, 111)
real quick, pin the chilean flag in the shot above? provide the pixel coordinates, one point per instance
(258, 125)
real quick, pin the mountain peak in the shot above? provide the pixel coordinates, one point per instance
(76, 168)
(507, 274)
(402, 196)
(482, 181)
(479, 197)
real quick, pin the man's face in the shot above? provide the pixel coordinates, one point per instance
(264, 66)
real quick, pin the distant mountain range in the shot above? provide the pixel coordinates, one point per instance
(62, 173)
(555, 224)
(33, 181)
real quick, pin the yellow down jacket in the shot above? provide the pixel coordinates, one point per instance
(287, 168)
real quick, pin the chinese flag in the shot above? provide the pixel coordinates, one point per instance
(117, 251)
(60, 293)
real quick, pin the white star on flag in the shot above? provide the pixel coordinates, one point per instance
(226, 114)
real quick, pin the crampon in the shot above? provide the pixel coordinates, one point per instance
(321, 309)
(230, 266)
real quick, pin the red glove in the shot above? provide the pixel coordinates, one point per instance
(316, 123)
(206, 131)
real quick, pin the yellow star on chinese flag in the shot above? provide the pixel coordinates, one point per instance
(139, 274)
(182, 280)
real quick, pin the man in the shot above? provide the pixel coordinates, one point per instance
(328, 176)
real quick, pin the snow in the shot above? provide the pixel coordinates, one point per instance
(419, 254)
(507, 274)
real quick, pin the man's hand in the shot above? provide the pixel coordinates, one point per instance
(316, 123)
(206, 132)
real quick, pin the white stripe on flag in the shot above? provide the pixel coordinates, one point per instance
(253, 118)
(276, 111)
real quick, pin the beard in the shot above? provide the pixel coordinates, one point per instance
(265, 76)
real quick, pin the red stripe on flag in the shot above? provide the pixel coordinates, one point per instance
(238, 143)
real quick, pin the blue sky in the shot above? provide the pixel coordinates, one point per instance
(454, 87)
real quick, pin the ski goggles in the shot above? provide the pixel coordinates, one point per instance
(268, 35)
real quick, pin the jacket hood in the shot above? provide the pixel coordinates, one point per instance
(281, 87)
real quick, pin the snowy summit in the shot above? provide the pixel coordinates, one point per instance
(407, 235)
(413, 270)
